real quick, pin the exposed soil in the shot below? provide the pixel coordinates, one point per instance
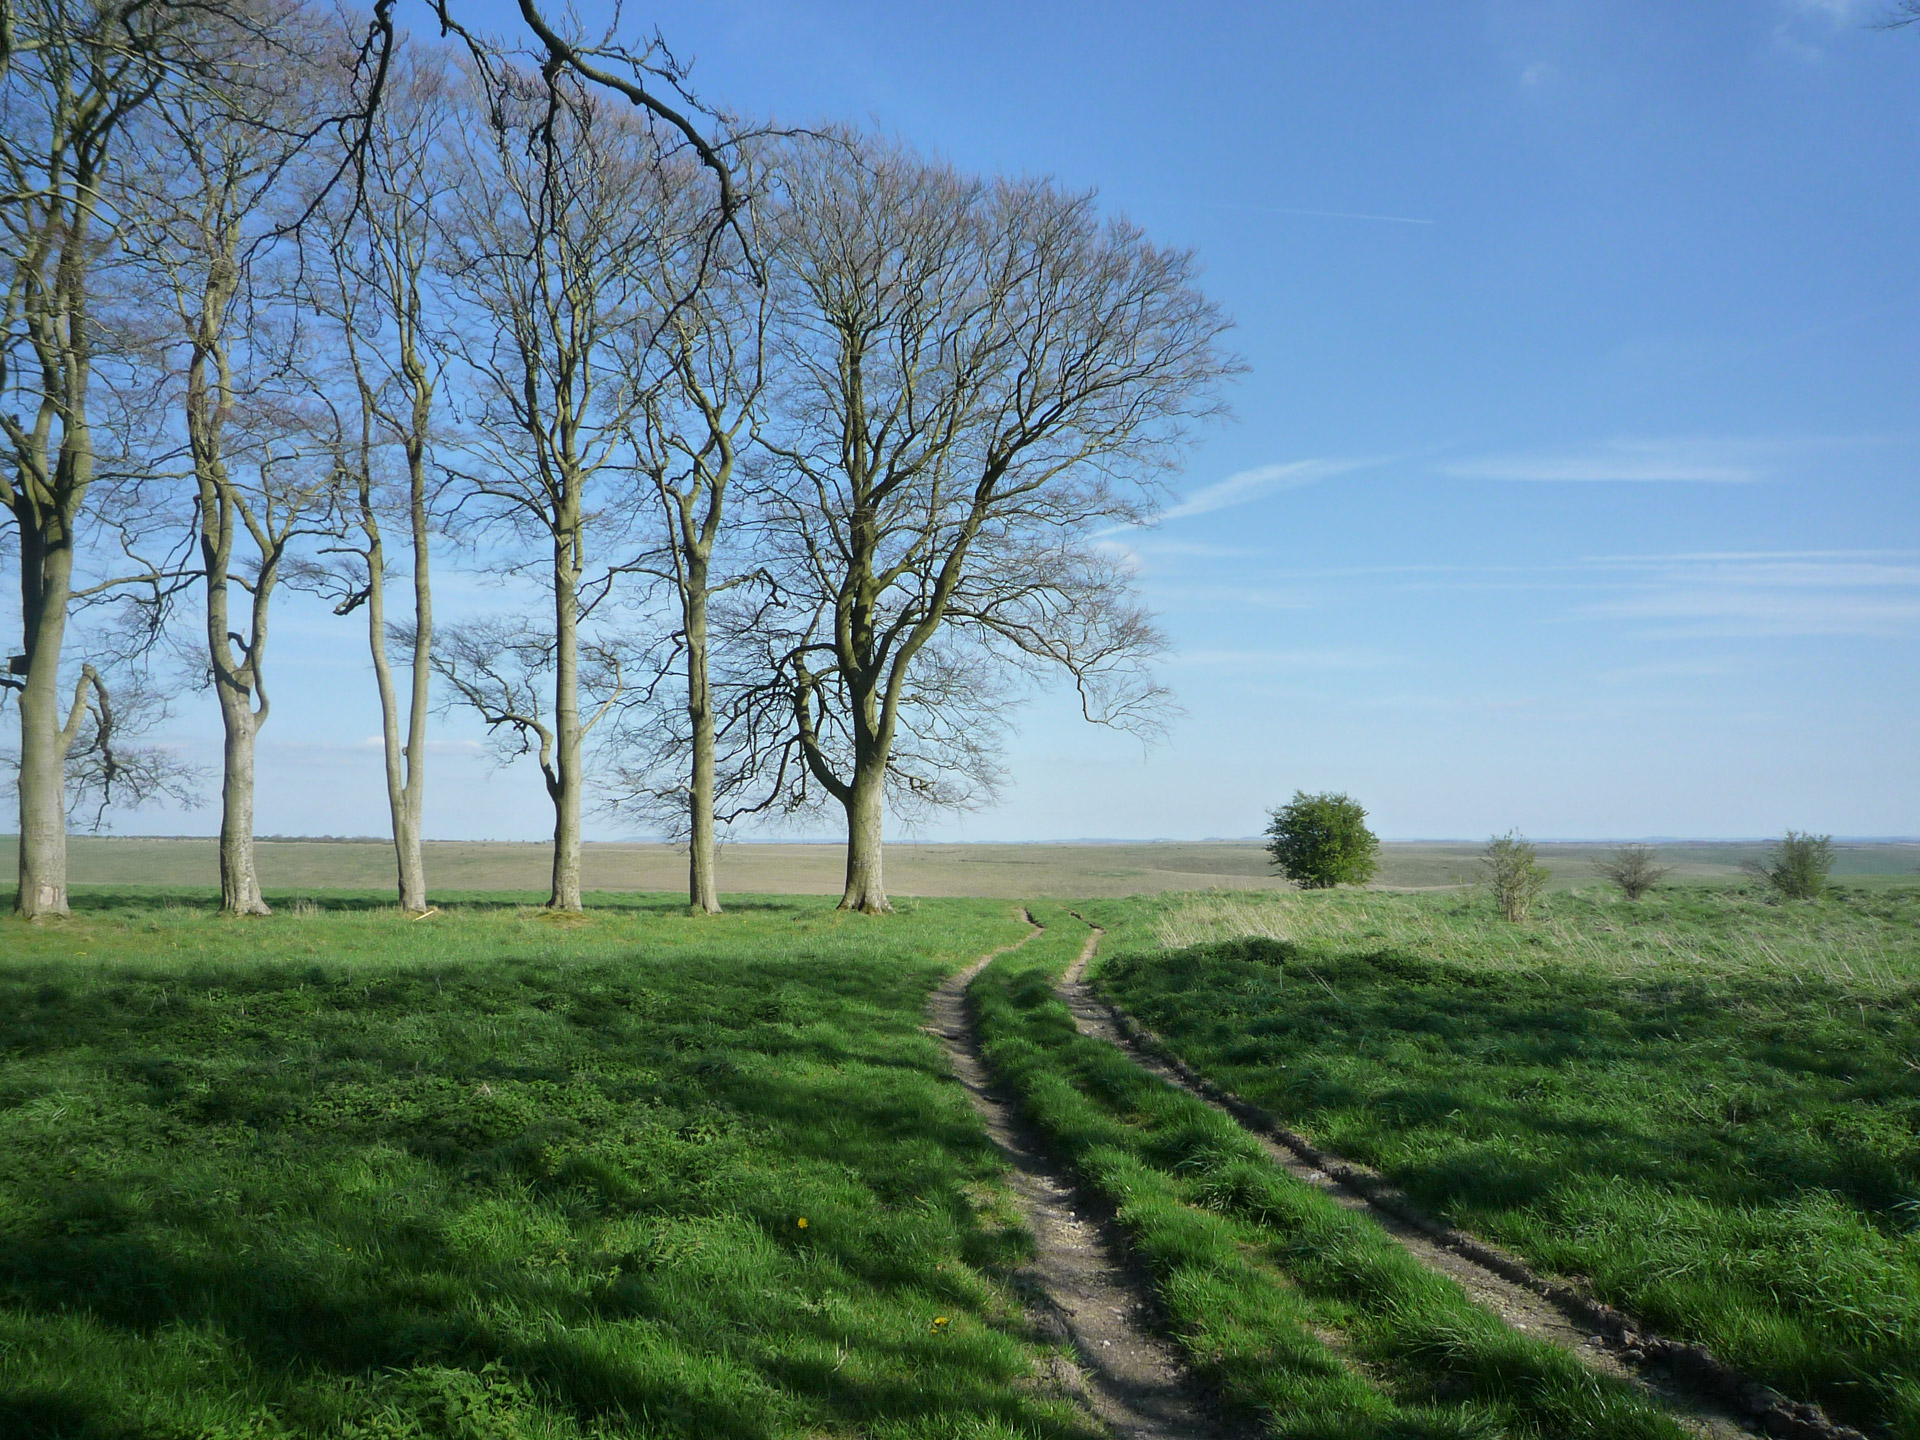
(1076, 1287)
(1704, 1394)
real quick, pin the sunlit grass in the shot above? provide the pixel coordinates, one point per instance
(1707, 1102)
(1298, 1311)
(490, 1175)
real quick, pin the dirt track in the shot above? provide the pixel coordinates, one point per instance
(1076, 1288)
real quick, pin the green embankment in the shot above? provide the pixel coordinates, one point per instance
(1297, 1311)
(493, 1175)
(1707, 1103)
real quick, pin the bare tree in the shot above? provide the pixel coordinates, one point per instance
(700, 386)
(71, 73)
(1511, 870)
(975, 378)
(217, 187)
(373, 283)
(556, 219)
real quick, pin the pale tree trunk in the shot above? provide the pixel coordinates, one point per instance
(866, 887)
(239, 880)
(46, 578)
(703, 892)
(405, 771)
(405, 756)
(563, 780)
(234, 686)
(408, 820)
(48, 489)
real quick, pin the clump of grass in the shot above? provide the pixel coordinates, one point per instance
(343, 1175)
(1705, 1101)
(1295, 1309)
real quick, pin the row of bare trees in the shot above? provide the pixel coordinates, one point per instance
(792, 451)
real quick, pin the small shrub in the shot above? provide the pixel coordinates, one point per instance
(1797, 867)
(1632, 868)
(1320, 841)
(1514, 874)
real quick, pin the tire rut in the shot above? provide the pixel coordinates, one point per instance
(1077, 1290)
(1705, 1395)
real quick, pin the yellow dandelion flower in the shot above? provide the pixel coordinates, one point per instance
(939, 1322)
(802, 1222)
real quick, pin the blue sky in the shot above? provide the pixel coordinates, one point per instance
(1572, 484)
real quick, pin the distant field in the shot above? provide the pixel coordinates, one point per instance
(994, 871)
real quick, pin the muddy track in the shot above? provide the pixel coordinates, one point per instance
(1706, 1395)
(1076, 1288)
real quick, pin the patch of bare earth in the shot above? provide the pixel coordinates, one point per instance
(1702, 1393)
(1077, 1290)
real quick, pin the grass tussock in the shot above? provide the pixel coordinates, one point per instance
(1707, 1102)
(342, 1174)
(1298, 1312)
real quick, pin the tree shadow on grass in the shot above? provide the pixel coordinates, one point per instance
(297, 1163)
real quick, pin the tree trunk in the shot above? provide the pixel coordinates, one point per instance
(405, 760)
(413, 869)
(45, 579)
(239, 881)
(866, 889)
(563, 782)
(703, 893)
(233, 687)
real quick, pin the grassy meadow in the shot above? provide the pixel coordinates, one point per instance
(493, 1175)
(1707, 1103)
(1301, 1315)
(497, 1175)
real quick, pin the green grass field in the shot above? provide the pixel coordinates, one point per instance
(1302, 1315)
(497, 1174)
(493, 1175)
(1708, 1103)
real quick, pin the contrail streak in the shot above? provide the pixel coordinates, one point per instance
(1323, 214)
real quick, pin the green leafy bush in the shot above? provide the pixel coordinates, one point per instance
(1320, 841)
(1797, 867)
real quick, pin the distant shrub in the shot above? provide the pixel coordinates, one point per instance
(1514, 874)
(1320, 841)
(1633, 869)
(1797, 867)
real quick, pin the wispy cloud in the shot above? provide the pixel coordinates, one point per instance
(1247, 485)
(1703, 613)
(1764, 593)
(1691, 594)
(1778, 569)
(1639, 461)
(1825, 15)
(1330, 658)
(1840, 12)
(1321, 214)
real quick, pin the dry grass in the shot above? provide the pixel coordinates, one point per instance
(1729, 933)
(1079, 871)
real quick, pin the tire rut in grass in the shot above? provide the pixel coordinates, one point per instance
(1704, 1394)
(1128, 1377)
